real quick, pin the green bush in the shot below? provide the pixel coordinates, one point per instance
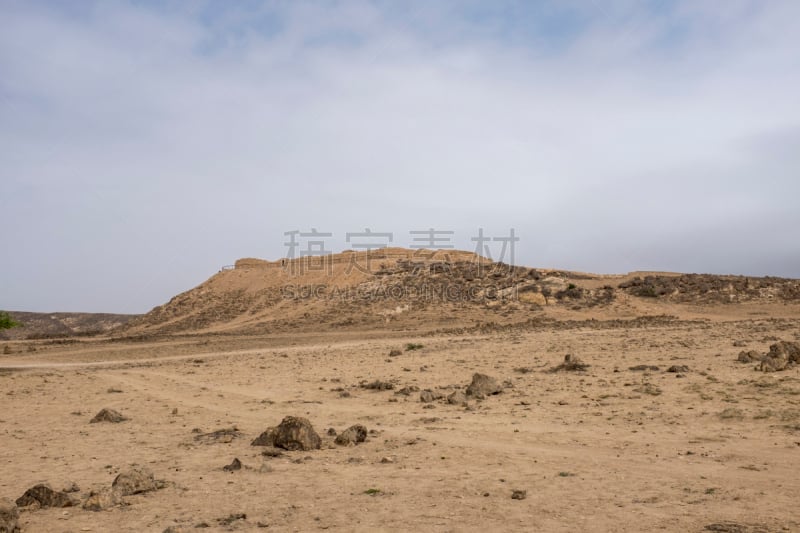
(6, 322)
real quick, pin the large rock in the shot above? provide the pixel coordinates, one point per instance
(102, 500)
(296, 433)
(457, 398)
(108, 415)
(352, 436)
(9, 516)
(781, 356)
(482, 386)
(267, 438)
(44, 496)
(135, 480)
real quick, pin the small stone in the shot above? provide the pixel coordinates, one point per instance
(108, 415)
(71, 487)
(519, 494)
(428, 396)
(235, 465)
(678, 369)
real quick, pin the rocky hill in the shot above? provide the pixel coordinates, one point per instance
(397, 288)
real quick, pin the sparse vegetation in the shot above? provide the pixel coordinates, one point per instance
(6, 322)
(411, 346)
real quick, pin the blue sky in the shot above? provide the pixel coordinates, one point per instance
(146, 144)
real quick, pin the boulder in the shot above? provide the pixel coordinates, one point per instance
(781, 355)
(102, 500)
(352, 436)
(457, 398)
(44, 496)
(9, 516)
(296, 433)
(482, 386)
(135, 480)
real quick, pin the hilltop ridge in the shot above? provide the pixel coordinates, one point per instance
(399, 288)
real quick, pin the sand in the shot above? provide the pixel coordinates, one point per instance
(606, 449)
(623, 445)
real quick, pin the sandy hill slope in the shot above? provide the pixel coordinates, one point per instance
(401, 289)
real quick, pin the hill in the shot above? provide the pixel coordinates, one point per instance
(47, 325)
(403, 289)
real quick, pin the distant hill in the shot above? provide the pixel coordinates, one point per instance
(400, 289)
(50, 325)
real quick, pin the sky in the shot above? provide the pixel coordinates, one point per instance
(144, 144)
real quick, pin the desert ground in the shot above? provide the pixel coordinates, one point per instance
(657, 426)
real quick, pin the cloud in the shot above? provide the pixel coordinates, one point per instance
(146, 145)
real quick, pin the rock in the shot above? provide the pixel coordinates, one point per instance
(100, 501)
(519, 494)
(408, 390)
(639, 368)
(352, 436)
(395, 353)
(332, 432)
(267, 438)
(571, 364)
(44, 496)
(175, 529)
(221, 436)
(272, 452)
(377, 385)
(296, 433)
(71, 487)
(108, 415)
(457, 398)
(9, 516)
(428, 396)
(135, 480)
(231, 518)
(678, 369)
(727, 527)
(749, 356)
(235, 465)
(781, 355)
(482, 386)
